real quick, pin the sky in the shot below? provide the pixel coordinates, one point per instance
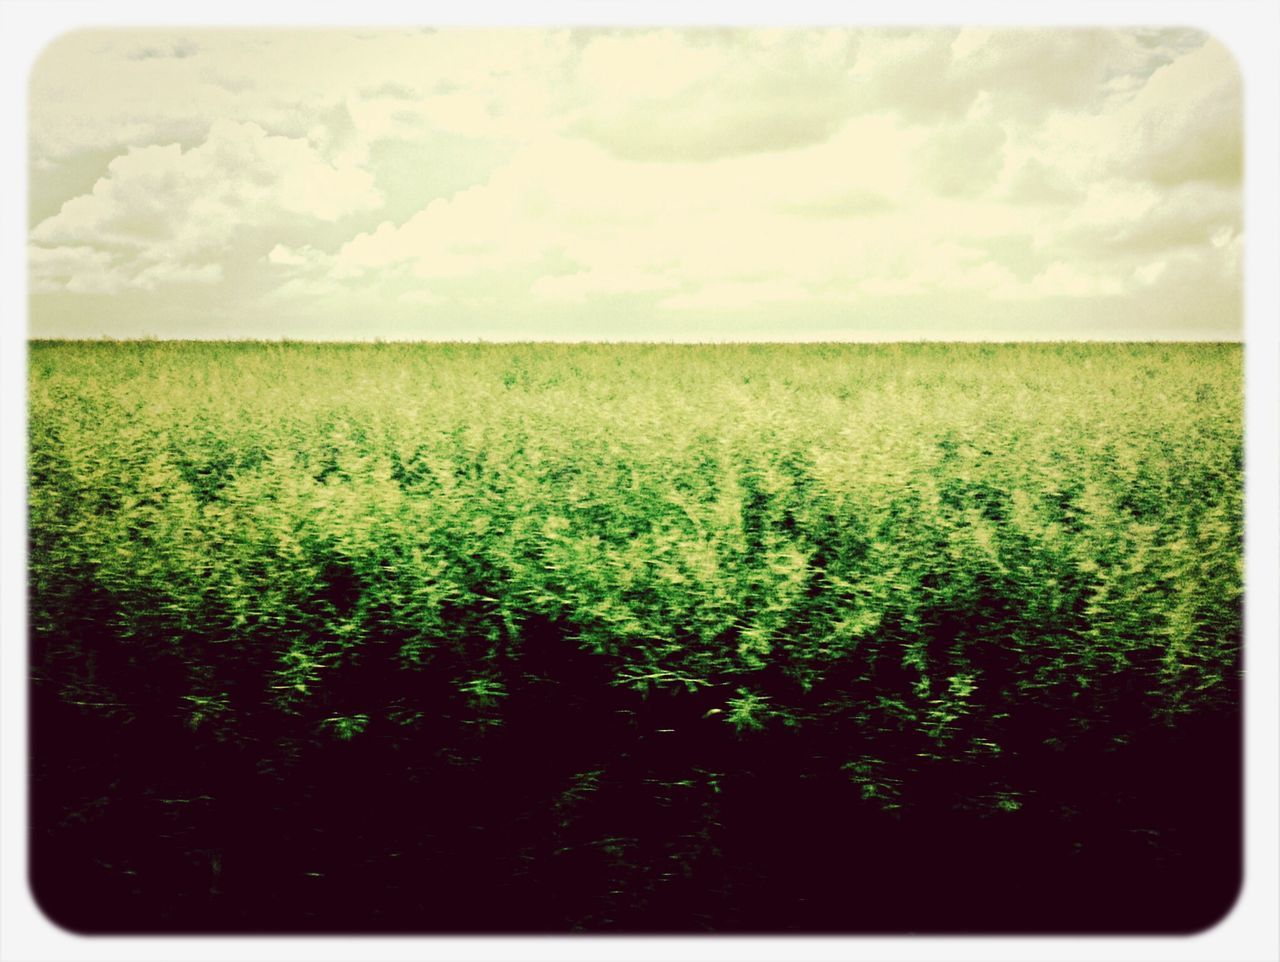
(636, 184)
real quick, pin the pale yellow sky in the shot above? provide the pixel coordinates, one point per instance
(636, 184)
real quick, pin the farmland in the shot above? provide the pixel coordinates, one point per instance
(534, 637)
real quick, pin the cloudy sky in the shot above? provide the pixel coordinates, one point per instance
(636, 184)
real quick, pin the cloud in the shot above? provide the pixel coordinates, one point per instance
(195, 198)
(677, 178)
(1190, 215)
(679, 129)
(1179, 122)
(167, 272)
(963, 158)
(1192, 290)
(853, 202)
(178, 50)
(1117, 218)
(390, 91)
(1030, 72)
(570, 207)
(304, 257)
(1185, 123)
(909, 72)
(112, 89)
(87, 270)
(1037, 182)
(581, 286)
(831, 222)
(302, 273)
(489, 228)
(1062, 279)
(422, 295)
(717, 94)
(737, 296)
(932, 75)
(937, 265)
(166, 215)
(78, 269)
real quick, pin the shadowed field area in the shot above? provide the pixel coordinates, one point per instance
(636, 638)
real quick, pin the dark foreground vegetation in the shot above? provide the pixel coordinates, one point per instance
(394, 638)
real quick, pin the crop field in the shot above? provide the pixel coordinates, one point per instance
(635, 638)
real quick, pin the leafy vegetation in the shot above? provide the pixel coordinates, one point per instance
(546, 637)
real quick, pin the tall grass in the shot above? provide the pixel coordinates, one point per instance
(941, 581)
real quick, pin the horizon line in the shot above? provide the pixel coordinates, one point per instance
(377, 341)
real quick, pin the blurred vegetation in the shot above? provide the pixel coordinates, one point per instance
(648, 637)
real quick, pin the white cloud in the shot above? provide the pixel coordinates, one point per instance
(737, 296)
(280, 254)
(164, 272)
(1062, 280)
(599, 224)
(1185, 123)
(306, 288)
(936, 266)
(1034, 71)
(489, 228)
(167, 215)
(1040, 181)
(304, 256)
(580, 286)
(617, 67)
(714, 94)
(963, 158)
(692, 175)
(937, 75)
(423, 295)
(1180, 122)
(830, 222)
(87, 270)
(79, 269)
(1118, 218)
(1145, 275)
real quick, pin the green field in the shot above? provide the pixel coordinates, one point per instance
(646, 637)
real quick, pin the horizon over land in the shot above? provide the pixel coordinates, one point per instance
(144, 339)
(823, 481)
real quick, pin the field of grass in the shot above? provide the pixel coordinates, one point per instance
(640, 638)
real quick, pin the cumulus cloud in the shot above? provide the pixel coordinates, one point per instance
(1034, 71)
(305, 256)
(931, 75)
(1117, 218)
(177, 50)
(910, 72)
(1185, 123)
(1036, 181)
(477, 230)
(112, 89)
(1190, 215)
(850, 202)
(715, 94)
(963, 158)
(593, 224)
(1062, 279)
(79, 269)
(166, 215)
(582, 285)
(737, 296)
(694, 175)
(881, 209)
(303, 273)
(87, 270)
